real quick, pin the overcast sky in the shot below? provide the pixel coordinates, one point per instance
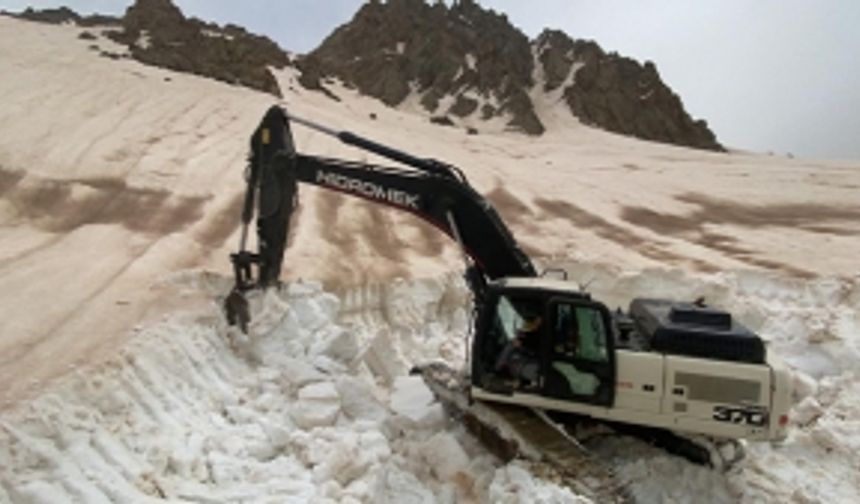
(767, 75)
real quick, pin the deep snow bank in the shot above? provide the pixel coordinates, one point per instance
(303, 410)
(316, 404)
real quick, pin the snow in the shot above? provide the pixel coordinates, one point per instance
(471, 62)
(143, 40)
(121, 382)
(318, 405)
(412, 399)
(446, 457)
(514, 485)
(550, 107)
(178, 413)
(807, 412)
(215, 34)
(396, 486)
(359, 401)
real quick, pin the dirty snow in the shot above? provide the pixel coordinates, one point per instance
(120, 382)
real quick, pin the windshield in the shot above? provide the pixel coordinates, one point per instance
(513, 316)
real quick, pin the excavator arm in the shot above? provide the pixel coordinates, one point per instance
(433, 191)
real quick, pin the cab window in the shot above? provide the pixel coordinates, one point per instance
(507, 318)
(580, 333)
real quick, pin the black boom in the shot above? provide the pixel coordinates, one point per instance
(434, 191)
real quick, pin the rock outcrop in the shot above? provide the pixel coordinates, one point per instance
(617, 93)
(64, 15)
(157, 33)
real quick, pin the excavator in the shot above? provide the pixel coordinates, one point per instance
(539, 341)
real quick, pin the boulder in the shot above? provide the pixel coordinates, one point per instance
(463, 106)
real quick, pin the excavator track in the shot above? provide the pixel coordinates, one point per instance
(512, 432)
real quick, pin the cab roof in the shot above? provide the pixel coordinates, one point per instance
(540, 283)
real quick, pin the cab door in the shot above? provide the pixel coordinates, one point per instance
(579, 352)
(508, 343)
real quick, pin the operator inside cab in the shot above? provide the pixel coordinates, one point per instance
(576, 347)
(519, 358)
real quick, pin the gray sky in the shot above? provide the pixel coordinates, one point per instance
(767, 75)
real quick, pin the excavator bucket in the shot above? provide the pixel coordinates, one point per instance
(237, 310)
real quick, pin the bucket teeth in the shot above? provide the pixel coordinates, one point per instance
(237, 310)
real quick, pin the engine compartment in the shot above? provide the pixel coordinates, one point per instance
(690, 329)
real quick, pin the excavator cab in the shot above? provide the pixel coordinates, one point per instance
(542, 338)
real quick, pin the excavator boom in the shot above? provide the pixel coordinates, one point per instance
(433, 191)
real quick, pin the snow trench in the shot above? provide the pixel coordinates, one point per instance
(316, 405)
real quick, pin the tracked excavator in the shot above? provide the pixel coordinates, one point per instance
(538, 341)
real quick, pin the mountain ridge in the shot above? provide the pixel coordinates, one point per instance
(157, 33)
(486, 66)
(461, 61)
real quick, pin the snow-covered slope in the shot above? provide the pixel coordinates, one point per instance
(115, 176)
(188, 413)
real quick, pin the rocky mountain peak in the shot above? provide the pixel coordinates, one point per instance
(156, 15)
(463, 63)
(617, 93)
(472, 56)
(464, 60)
